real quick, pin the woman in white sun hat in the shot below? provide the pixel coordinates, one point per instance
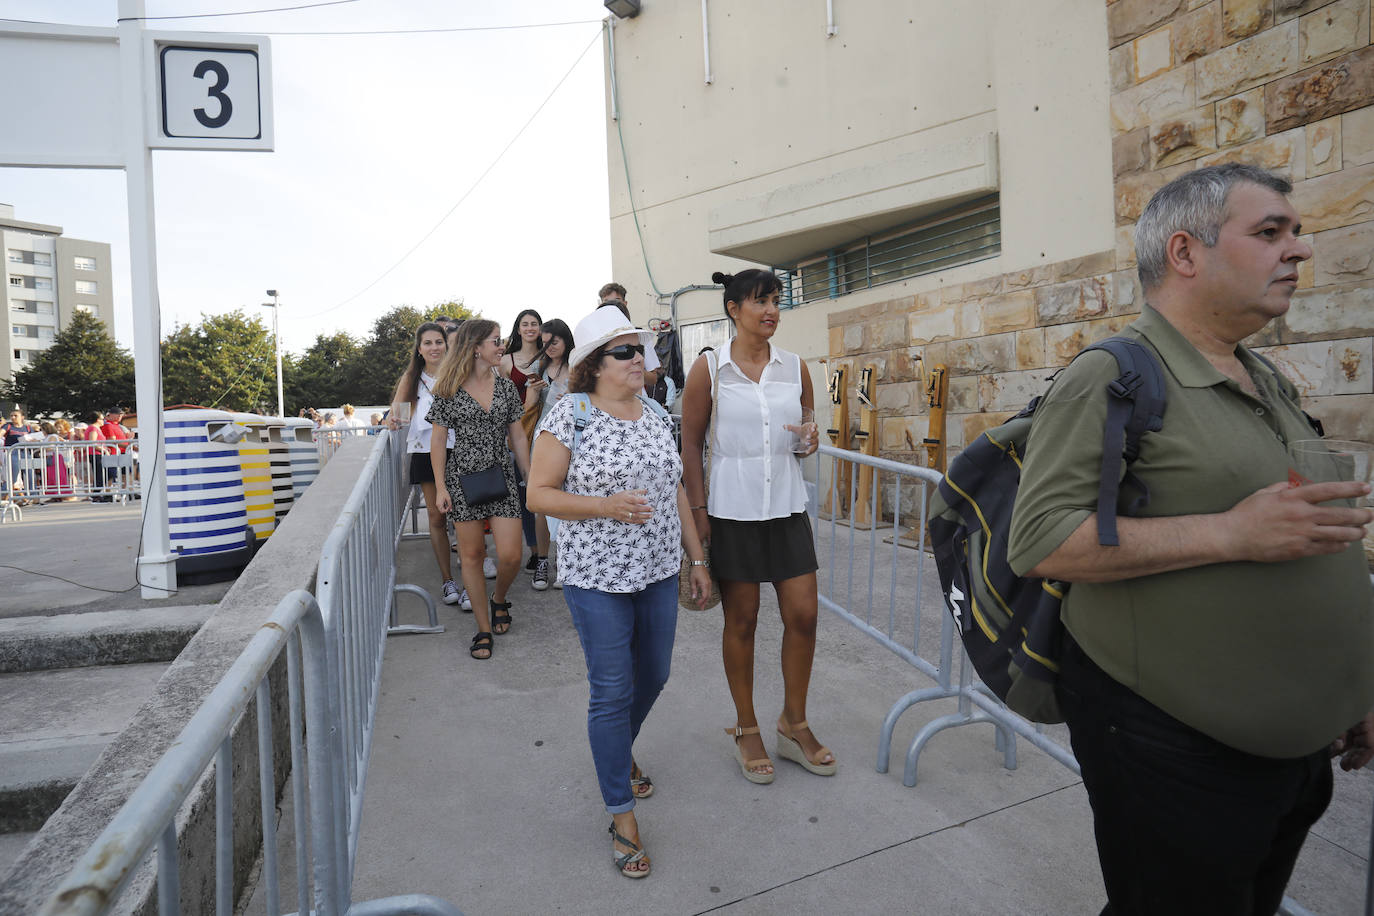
(605, 462)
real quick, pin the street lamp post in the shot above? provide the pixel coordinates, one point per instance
(275, 306)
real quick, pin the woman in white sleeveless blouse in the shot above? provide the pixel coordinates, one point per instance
(756, 513)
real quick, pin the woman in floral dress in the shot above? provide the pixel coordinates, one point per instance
(483, 411)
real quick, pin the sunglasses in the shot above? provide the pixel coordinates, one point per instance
(626, 351)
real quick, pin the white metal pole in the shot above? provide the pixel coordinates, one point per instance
(276, 338)
(706, 42)
(157, 565)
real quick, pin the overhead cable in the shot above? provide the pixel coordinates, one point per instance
(466, 194)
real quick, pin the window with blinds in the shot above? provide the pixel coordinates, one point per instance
(971, 231)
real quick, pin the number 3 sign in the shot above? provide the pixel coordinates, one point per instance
(211, 95)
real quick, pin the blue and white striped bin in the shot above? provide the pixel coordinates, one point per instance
(305, 457)
(207, 514)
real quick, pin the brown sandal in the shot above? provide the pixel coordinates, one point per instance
(790, 748)
(747, 766)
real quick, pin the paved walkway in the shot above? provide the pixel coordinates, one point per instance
(482, 791)
(69, 558)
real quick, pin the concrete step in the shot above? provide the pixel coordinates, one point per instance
(98, 637)
(53, 725)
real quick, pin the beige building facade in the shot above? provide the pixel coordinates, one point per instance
(47, 278)
(956, 183)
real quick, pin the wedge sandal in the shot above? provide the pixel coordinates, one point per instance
(790, 748)
(747, 767)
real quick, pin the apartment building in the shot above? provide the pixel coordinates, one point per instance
(957, 184)
(47, 278)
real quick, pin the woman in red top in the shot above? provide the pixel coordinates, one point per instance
(520, 365)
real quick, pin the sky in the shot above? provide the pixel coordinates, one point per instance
(377, 137)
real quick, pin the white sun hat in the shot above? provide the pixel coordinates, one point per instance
(604, 324)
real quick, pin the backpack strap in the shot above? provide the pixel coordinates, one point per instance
(1135, 406)
(582, 412)
(655, 407)
(1285, 385)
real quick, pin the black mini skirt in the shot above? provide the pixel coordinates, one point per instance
(421, 471)
(771, 550)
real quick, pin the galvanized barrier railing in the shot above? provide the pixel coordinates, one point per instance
(64, 469)
(902, 491)
(357, 589)
(914, 623)
(149, 817)
(329, 438)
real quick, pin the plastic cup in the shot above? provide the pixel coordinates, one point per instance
(1332, 460)
(805, 433)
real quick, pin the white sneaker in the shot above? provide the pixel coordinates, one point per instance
(464, 601)
(489, 567)
(451, 593)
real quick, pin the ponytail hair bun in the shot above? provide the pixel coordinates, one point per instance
(751, 283)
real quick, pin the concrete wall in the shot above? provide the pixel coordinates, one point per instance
(795, 119)
(1286, 84)
(288, 561)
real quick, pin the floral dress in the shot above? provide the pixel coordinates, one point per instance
(479, 441)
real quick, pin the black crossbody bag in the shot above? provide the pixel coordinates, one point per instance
(482, 487)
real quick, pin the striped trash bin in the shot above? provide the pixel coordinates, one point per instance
(279, 458)
(207, 512)
(305, 457)
(256, 465)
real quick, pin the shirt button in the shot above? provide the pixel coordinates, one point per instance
(1259, 411)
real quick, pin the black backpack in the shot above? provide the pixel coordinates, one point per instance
(1010, 624)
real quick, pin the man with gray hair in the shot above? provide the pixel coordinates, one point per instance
(1213, 656)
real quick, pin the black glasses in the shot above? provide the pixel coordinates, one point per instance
(626, 351)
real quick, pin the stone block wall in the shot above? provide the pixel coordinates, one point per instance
(1286, 84)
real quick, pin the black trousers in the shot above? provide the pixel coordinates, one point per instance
(1184, 824)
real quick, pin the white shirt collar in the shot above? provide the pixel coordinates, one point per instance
(724, 358)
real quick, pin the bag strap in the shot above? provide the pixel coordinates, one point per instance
(711, 431)
(1135, 405)
(1312, 421)
(582, 412)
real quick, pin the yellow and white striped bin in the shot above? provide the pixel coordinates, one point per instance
(256, 463)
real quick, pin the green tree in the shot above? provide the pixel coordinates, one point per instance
(323, 374)
(227, 361)
(386, 352)
(84, 369)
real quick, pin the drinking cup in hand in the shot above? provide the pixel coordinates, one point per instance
(1332, 460)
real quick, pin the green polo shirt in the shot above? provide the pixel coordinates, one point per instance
(1274, 659)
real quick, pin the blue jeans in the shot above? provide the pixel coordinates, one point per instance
(628, 641)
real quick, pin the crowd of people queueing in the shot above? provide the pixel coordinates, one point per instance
(63, 469)
(551, 434)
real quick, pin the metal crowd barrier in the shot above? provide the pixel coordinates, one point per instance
(149, 818)
(40, 471)
(337, 645)
(329, 438)
(907, 625)
(915, 626)
(357, 589)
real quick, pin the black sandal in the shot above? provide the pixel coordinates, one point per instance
(482, 641)
(500, 616)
